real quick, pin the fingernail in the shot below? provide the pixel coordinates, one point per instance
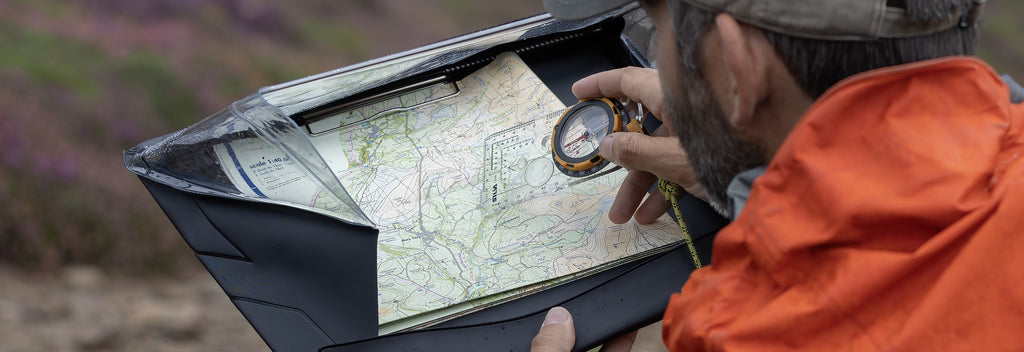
(556, 315)
(606, 147)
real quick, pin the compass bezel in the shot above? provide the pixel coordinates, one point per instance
(593, 161)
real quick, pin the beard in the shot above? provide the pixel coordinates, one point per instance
(715, 148)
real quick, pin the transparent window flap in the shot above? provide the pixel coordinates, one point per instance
(249, 151)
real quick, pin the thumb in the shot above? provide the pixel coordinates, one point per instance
(662, 156)
(557, 334)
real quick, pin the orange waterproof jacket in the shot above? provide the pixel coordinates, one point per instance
(892, 218)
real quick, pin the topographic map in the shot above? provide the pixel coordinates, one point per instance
(467, 199)
(459, 179)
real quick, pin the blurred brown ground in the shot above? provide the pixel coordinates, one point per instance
(88, 262)
(84, 309)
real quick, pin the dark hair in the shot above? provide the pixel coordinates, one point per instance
(819, 64)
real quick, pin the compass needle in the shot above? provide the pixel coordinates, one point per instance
(578, 132)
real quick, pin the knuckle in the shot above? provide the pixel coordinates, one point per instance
(631, 70)
(629, 148)
(632, 78)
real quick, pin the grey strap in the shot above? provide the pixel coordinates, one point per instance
(1016, 91)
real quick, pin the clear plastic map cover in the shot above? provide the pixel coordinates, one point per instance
(193, 159)
(455, 174)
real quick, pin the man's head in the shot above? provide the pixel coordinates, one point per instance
(738, 74)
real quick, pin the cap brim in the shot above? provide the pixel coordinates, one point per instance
(581, 9)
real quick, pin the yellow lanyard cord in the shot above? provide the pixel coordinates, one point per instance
(672, 193)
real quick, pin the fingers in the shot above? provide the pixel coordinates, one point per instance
(557, 334)
(653, 208)
(622, 343)
(631, 193)
(662, 156)
(627, 202)
(638, 84)
(645, 156)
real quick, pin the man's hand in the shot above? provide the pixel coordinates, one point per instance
(646, 157)
(558, 334)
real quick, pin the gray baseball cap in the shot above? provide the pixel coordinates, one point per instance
(818, 19)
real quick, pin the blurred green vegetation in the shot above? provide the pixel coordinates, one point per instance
(1001, 44)
(43, 57)
(84, 80)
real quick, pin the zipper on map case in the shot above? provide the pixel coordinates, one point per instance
(324, 119)
(320, 122)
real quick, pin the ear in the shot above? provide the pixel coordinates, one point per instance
(745, 66)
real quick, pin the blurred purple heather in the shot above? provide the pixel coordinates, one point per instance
(82, 81)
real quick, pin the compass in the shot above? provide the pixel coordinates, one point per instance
(578, 132)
